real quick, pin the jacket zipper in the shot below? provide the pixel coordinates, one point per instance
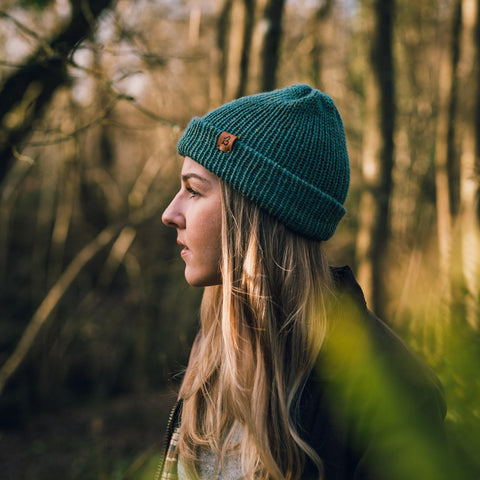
(172, 421)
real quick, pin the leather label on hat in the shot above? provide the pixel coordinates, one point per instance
(225, 141)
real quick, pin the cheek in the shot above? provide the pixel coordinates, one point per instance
(213, 223)
(213, 237)
(218, 235)
(203, 267)
(204, 230)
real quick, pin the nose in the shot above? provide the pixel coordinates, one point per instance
(173, 216)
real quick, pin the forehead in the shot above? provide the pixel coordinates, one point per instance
(190, 166)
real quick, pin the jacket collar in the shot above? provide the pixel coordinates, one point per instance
(345, 284)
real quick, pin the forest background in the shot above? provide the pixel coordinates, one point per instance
(96, 319)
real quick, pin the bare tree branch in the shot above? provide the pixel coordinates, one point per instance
(101, 118)
(124, 234)
(29, 90)
(68, 136)
(51, 301)
(23, 28)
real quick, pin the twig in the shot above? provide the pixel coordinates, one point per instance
(48, 49)
(151, 114)
(117, 255)
(74, 133)
(51, 301)
(97, 121)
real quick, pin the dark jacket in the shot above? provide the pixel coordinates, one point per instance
(370, 409)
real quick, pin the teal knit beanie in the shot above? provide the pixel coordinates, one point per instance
(285, 150)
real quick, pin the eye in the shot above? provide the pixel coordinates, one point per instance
(191, 192)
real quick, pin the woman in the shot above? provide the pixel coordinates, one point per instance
(290, 376)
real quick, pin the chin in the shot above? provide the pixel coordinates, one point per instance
(203, 280)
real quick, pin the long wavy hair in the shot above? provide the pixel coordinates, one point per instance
(261, 331)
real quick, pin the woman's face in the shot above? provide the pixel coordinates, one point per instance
(195, 212)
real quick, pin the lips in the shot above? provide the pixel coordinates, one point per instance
(185, 249)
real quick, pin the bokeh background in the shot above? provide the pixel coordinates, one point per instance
(96, 319)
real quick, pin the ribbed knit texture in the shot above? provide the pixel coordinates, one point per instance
(290, 157)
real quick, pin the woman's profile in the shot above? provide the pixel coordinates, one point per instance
(290, 375)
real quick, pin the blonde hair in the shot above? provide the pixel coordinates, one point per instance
(261, 331)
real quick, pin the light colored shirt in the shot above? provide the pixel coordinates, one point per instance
(206, 465)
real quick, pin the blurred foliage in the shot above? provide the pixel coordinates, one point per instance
(458, 369)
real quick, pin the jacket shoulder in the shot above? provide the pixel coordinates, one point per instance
(372, 394)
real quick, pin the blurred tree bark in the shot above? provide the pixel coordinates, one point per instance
(220, 53)
(27, 92)
(445, 158)
(248, 26)
(316, 31)
(245, 58)
(8, 197)
(377, 154)
(231, 55)
(272, 18)
(238, 49)
(469, 78)
(477, 110)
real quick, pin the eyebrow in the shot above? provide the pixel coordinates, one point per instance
(187, 176)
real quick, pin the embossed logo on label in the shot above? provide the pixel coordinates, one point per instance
(225, 142)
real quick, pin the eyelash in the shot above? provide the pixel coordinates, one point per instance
(192, 192)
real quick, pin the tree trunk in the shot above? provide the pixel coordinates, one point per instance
(444, 149)
(377, 156)
(27, 92)
(273, 15)
(235, 77)
(246, 55)
(218, 55)
(470, 231)
(8, 195)
(248, 27)
(231, 55)
(265, 45)
(316, 31)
